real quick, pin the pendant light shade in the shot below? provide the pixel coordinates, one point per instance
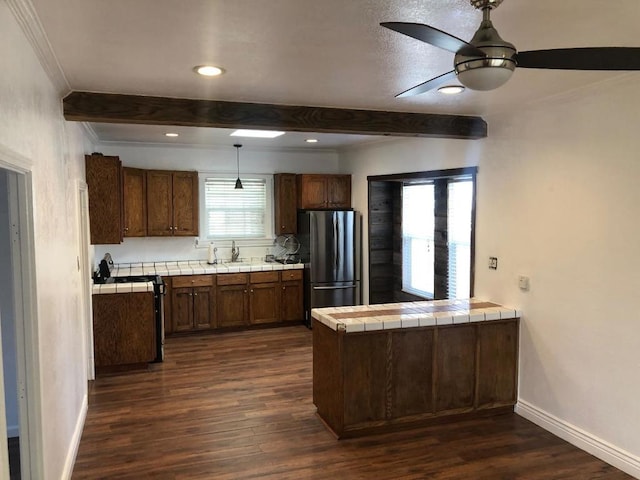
(238, 182)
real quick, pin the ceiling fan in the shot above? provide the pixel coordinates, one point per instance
(487, 61)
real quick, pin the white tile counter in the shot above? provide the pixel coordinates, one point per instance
(387, 316)
(190, 267)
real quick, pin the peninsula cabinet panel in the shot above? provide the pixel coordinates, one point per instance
(285, 196)
(365, 381)
(497, 370)
(135, 202)
(412, 372)
(104, 185)
(455, 367)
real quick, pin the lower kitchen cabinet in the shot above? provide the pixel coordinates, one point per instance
(292, 296)
(124, 330)
(193, 299)
(264, 298)
(233, 300)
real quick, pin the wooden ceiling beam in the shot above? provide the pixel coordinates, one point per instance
(137, 109)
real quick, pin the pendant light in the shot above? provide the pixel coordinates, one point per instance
(238, 182)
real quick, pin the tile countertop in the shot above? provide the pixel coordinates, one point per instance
(411, 314)
(190, 267)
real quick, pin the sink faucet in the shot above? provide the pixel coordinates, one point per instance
(235, 252)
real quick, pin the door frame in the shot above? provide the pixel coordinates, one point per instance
(84, 266)
(20, 190)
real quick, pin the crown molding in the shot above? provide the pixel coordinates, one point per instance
(27, 18)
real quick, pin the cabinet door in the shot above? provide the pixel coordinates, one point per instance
(159, 203)
(292, 307)
(284, 185)
(312, 192)
(104, 184)
(203, 308)
(265, 303)
(135, 202)
(339, 191)
(232, 305)
(182, 309)
(185, 204)
(497, 363)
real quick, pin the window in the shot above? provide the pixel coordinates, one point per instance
(417, 239)
(230, 214)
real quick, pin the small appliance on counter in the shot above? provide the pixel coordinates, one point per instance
(286, 249)
(103, 276)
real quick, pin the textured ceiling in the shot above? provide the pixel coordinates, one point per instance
(327, 53)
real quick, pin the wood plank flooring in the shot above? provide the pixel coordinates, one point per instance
(238, 406)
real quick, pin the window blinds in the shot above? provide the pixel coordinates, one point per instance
(235, 213)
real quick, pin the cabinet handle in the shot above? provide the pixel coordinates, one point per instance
(126, 229)
(195, 294)
(170, 228)
(245, 291)
(175, 227)
(284, 288)
(251, 290)
(191, 294)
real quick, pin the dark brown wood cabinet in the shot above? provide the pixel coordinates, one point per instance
(123, 329)
(319, 191)
(193, 299)
(233, 300)
(285, 199)
(172, 203)
(366, 382)
(264, 297)
(134, 194)
(292, 299)
(104, 184)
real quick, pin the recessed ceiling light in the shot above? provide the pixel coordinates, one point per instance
(256, 133)
(311, 140)
(208, 70)
(451, 89)
(170, 134)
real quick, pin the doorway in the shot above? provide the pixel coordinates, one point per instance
(20, 425)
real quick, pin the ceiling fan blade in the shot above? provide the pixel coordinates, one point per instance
(591, 58)
(434, 37)
(428, 85)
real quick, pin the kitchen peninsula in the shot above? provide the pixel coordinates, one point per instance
(380, 367)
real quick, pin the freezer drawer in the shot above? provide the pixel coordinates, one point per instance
(334, 295)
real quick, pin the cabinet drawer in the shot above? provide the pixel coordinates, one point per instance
(192, 281)
(232, 279)
(291, 275)
(264, 277)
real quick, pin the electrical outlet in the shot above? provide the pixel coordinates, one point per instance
(493, 263)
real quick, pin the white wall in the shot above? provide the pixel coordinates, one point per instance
(557, 200)
(32, 127)
(219, 159)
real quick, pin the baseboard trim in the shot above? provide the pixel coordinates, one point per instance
(75, 440)
(586, 441)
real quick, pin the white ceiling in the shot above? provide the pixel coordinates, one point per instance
(319, 53)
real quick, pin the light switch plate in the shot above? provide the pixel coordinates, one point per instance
(523, 282)
(493, 263)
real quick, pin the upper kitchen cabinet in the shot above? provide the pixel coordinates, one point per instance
(135, 202)
(284, 191)
(323, 192)
(172, 203)
(104, 183)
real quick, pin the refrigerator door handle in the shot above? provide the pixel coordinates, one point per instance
(335, 288)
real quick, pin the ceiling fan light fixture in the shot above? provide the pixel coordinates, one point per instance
(483, 77)
(451, 89)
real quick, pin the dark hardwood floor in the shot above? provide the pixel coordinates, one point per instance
(238, 406)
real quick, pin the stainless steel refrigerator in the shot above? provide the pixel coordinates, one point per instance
(330, 249)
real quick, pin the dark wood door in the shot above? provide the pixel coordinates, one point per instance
(497, 363)
(135, 202)
(203, 308)
(312, 191)
(264, 303)
(182, 309)
(455, 360)
(104, 184)
(185, 203)
(232, 306)
(291, 305)
(159, 203)
(339, 191)
(285, 195)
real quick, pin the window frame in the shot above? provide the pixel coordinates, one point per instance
(269, 237)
